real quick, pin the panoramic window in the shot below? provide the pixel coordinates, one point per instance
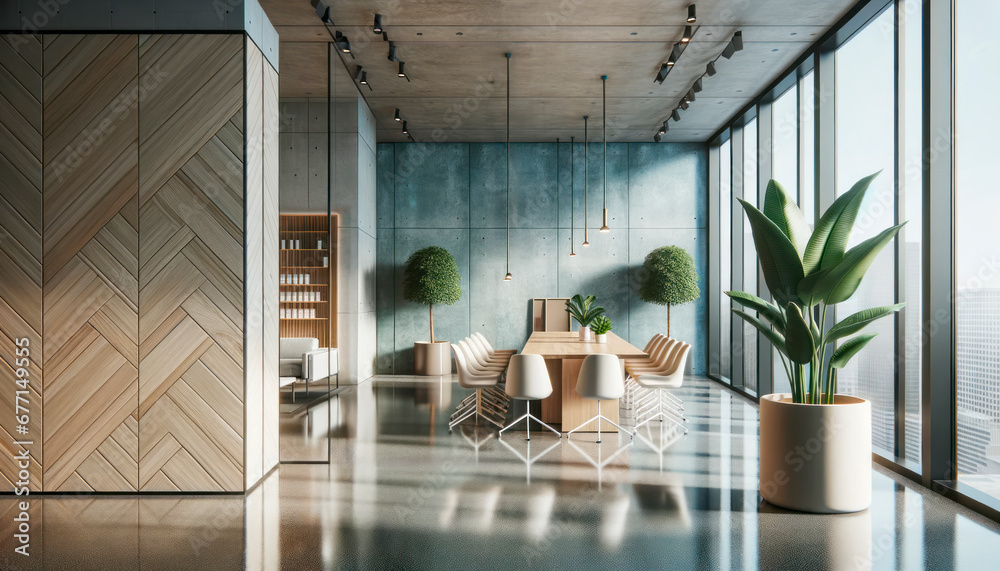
(725, 256)
(977, 303)
(866, 104)
(750, 158)
(785, 170)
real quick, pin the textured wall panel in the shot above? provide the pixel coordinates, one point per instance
(271, 239)
(91, 243)
(656, 197)
(191, 322)
(20, 246)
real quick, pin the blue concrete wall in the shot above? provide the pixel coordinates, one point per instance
(453, 195)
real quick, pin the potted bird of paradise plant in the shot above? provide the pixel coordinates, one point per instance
(584, 311)
(815, 444)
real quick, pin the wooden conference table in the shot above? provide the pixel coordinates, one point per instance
(564, 354)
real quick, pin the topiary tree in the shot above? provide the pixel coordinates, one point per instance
(432, 277)
(669, 278)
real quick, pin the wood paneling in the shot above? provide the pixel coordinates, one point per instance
(191, 266)
(90, 262)
(20, 247)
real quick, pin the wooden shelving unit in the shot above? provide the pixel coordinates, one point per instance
(308, 255)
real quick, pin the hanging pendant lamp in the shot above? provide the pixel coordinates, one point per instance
(604, 112)
(572, 197)
(508, 277)
(586, 182)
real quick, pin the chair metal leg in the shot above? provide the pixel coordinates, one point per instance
(598, 418)
(530, 417)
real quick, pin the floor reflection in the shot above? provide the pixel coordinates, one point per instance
(401, 493)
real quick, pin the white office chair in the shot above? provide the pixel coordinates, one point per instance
(488, 402)
(528, 380)
(600, 379)
(477, 365)
(652, 351)
(661, 362)
(489, 348)
(671, 378)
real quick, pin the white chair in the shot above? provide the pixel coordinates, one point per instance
(671, 378)
(600, 379)
(489, 348)
(661, 362)
(488, 402)
(484, 357)
(528, 380)
(652, 351)
(475, 364)
(301, 358)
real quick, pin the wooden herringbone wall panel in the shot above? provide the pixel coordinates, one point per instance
(20, 248)
(191, 216)
(90, 262)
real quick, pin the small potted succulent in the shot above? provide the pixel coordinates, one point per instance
(584, 311)
(600, 326)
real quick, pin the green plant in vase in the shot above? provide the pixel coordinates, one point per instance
(808, 274)
(584, 311)
(600, 326)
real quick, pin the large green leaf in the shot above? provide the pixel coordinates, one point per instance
(798, 338)
(776, 339)
(858, 321)
(811, 288)
(779, 260)
(781, 209)
(765, 309)
(829, 240)
(846, 276)
(849, 349)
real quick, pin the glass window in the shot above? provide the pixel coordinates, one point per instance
(911, 189)
(865, 141)
(785, 170)
(977, 246)
(807, 124)
(750, 158)
(725, 256)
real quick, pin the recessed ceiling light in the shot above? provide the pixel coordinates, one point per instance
(420, 33)
(458, 33)
(633, 33)
(774, 50)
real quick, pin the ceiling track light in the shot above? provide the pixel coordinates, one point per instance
(377, 27)
(401, 72)
(688, 32)
(396, 117)
(604, 121)
(684, 104)
(710, 68)
(342, 43)
(657, 137)
(690, 95)
(357, 73)
(364, 80)
(508, 277)
(675, 54)
(392, 52)
(405, 130)
(324, 13)
(692, 16)
(662, 74)
(586, 182)
(697, 87)
(735, 44)
(676, 115)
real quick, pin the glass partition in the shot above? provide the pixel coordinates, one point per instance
(750, 157)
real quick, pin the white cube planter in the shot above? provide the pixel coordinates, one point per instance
(814, 457)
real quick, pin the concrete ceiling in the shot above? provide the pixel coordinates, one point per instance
(454, 54)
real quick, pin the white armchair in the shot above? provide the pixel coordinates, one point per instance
(301, 358)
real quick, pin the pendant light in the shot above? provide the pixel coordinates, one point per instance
(508, 277)
(586, 181)
(572, 197)
(604, 120)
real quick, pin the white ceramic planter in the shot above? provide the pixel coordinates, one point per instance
(584, 334)
(432, 359)
(602, 337)
(816, 458)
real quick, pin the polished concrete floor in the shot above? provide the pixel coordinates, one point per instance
(400, 492)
